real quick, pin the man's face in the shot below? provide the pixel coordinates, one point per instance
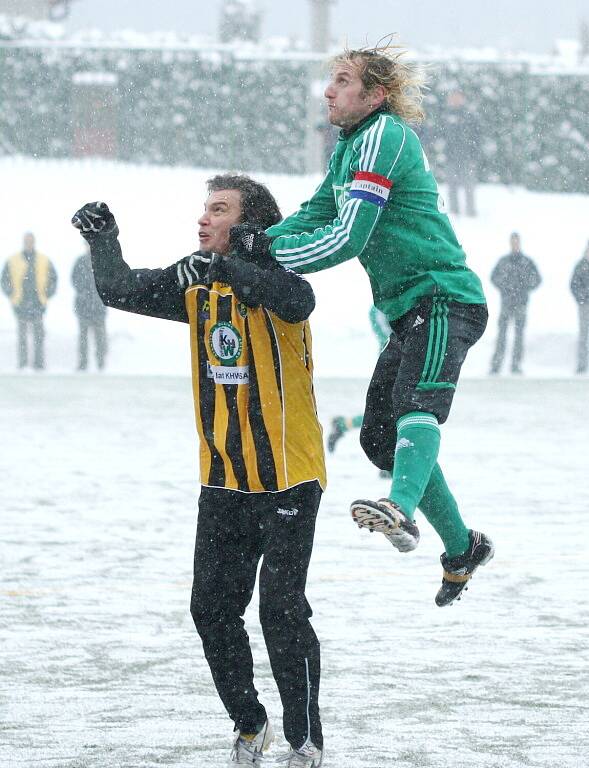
(347, 100)
(222, 211)
(28, 243)
(515, 243)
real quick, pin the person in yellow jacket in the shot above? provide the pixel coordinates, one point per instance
(262, 468)
(29, 280)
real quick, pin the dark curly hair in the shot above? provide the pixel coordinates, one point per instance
(258, 205)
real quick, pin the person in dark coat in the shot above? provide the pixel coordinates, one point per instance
(462, 147)
(29, 280)
(580, 290)
(90, 312)
(515, 275)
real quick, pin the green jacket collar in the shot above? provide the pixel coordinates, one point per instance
(346, 133)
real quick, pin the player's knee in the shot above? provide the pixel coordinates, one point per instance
(282, 610)
(202, 611)
(377, 448)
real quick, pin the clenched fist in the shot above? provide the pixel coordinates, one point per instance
(94, 220)
(250, 242)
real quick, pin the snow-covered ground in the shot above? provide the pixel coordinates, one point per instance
(157, 209)
(101, 666)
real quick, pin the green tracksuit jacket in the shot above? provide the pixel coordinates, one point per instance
(380, 202)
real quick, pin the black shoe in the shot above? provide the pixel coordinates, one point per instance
(517, 370)
(458, 570)
(386, 517)
(338, 430)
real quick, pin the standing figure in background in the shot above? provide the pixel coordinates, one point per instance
(29, 279)
(462, 135)
(90, 312)
(515, 275)
(580, 290)
(342, 424)
(329, 135)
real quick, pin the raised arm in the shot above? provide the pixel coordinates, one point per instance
(152, 292)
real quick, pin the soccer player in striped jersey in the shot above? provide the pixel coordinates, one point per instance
(261, 451)
(380, 203)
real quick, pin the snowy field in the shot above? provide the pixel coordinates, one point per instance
(101, 666)
(157, 210)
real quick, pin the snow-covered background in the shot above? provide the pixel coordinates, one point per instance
(157, 209)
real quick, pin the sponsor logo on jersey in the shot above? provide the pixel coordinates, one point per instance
(229, 374)
(225, 342)
(418, 321)
(371, 187)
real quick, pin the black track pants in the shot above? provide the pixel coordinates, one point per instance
(234, 531)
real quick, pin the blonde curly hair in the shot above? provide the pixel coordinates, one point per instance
(381, 64)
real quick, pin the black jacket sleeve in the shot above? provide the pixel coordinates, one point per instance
(6, 282)
(152, 292)
(534, 278)
(580, 282)
(268, 284)
(499, 276)
(52, 281)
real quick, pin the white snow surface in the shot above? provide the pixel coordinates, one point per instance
(102, 668)
(157, 209)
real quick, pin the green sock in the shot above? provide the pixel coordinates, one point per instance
(416, 452)
(441, 511)
(357, 421)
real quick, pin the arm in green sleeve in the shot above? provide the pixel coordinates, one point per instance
(313, 214)
(347, 235)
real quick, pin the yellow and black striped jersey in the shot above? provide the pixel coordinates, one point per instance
(252, 365)
(255, 407)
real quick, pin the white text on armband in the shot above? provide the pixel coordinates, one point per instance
(371, 187)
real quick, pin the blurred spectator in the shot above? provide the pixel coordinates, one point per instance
(90, 311)
(29, 279)
(329, 134)
(580, 290)
(342, 424)
(462, 141)
(515, 275)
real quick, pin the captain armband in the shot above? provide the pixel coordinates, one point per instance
(371, 187)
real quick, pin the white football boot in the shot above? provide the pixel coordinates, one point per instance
(249, 750)
(307, 756)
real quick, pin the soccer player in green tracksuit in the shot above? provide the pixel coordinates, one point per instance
(380, 203)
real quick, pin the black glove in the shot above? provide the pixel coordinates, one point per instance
(250, 242)
(94, 220)
(246, 278)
